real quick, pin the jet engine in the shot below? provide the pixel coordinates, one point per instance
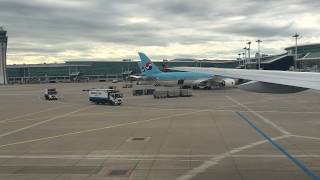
(228, 83)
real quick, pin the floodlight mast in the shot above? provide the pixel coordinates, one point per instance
(245, 57)
(3, 56)
(296, 51)
(239, 59)
(259, 58)
(249, 43)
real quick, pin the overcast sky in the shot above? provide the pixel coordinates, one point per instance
(57, 30)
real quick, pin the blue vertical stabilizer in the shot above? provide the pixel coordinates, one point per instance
(147, 67)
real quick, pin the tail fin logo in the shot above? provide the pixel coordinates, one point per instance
(148, 66)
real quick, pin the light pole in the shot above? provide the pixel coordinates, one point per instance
(259, 58)
(239, 59)
(3, 56)
(296, 51)
(245, 57)
(249, 43)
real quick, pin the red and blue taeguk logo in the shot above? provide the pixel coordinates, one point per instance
(148, 66)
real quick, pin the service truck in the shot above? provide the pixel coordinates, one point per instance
(105, 96)
(51, 94)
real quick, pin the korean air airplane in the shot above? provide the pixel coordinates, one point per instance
(260, 81)
(192, 79)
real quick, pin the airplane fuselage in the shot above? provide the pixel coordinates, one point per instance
(180, 78)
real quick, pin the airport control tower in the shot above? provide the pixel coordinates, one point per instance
(3, 56)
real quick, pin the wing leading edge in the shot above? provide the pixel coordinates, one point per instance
(306, 80)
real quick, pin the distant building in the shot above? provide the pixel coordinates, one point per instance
(104, 70)
(75, 71)
(281, 62)
(308, 56)
(3, 56)
(308, 59)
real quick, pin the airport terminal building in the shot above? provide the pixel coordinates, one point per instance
(104, 70)
(77, 71)
(308, 56)
(308, 59)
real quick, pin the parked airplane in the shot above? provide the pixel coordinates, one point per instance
(265, 81)
(151, 72)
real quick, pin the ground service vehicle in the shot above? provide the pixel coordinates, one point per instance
(105, 96)
(51, 94)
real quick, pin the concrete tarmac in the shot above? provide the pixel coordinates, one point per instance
(199, 137)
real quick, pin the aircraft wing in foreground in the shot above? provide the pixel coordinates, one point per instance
(265, 81)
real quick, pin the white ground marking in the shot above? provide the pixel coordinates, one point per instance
(98, 129)
(167, 157)
(116, 113)
(283, 131)
(42, 122)
(307, 137)
(139, 109)
(30, 114)
(159, 108)
(285, 112)
(275, 156)
(215, 160)
(18, 94)
(23, 120)
(223, 110)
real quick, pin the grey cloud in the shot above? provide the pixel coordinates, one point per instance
(258, 30)
(105, 21)
(56, 26)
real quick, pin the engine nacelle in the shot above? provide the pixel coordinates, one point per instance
(228, 83)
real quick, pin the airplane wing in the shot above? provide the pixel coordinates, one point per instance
(267, 78)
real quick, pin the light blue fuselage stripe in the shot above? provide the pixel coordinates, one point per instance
(182, 76)
(281, 149)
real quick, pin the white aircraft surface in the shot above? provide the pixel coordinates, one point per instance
(265, 81)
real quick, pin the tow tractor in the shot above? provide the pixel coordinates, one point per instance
(105, 96)
(51, 94)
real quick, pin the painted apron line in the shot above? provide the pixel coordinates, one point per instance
(43, 122)
(303, 167)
